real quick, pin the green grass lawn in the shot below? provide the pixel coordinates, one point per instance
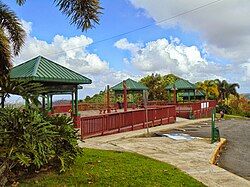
(227, 116)
(110, 168)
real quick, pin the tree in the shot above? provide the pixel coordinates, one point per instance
(153, 82)
(225, 89)
(12, 37)
(82, 13)
(209, 87)
(157, 85)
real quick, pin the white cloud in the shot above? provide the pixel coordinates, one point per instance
(162, 56)
(79, 59)
(223, 27)
(59, 50)
(124, 44)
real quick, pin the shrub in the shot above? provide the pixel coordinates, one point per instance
(223, 107)
(65, 144)
(30, 141)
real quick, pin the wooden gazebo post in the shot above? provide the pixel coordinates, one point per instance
(125, 102)
(108, 100)
(72, 104)
(188, 95)
(76, 115)
(175, 95)
(128, 86)
(76, 101)
(43, 102)
(51, 103)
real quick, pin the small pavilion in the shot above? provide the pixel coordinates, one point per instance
(126, 87)
(181, 86)
(199, 95)
(55, 78)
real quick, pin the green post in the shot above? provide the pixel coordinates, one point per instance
(213, 138)
(76, 101)
(43, 102)
(72, 104)
(189, 95)
(51, 103)
(48, 104)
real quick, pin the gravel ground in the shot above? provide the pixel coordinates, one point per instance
(236, 154)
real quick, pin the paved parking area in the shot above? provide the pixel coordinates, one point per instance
(236, 155)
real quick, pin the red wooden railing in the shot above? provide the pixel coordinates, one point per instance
(196, 110)
(63, 108)
(126, 121)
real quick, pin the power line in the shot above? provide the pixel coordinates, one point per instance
(143, 27)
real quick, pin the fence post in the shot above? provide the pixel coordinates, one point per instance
(103, 125)
(153, 116)
(168, 115)
(161, 115)
(119, 122)
(132, 113)
(144, 118)
(81, 128)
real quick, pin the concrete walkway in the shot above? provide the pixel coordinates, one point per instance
(191, 157)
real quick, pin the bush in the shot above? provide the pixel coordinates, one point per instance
(30, 141)
(65, 143)
(225, 108)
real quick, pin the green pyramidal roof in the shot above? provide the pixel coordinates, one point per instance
(181, 84)
(131, 85)
(41, 69)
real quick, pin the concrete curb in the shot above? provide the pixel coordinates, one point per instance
(217, 151)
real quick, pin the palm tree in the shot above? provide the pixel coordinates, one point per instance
(225, 89)
(83, 13)
(11, 37)
(209, 87)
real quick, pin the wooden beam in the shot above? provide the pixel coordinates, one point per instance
(108, 100)
(125, 102)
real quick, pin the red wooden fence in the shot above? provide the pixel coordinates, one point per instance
(198, 109)
(126, 121)
(64, 108)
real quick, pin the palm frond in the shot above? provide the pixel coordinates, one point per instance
(83, 13)
(11, 24)
(20, 2)
(5, 53)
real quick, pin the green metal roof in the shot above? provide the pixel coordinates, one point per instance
(181, 84)
(131, 86)
(41, 69)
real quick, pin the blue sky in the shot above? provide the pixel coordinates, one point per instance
(188, 41)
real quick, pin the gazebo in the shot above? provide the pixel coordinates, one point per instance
(182, 85)
(128, 86)
(55, 78)
(199, 95)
